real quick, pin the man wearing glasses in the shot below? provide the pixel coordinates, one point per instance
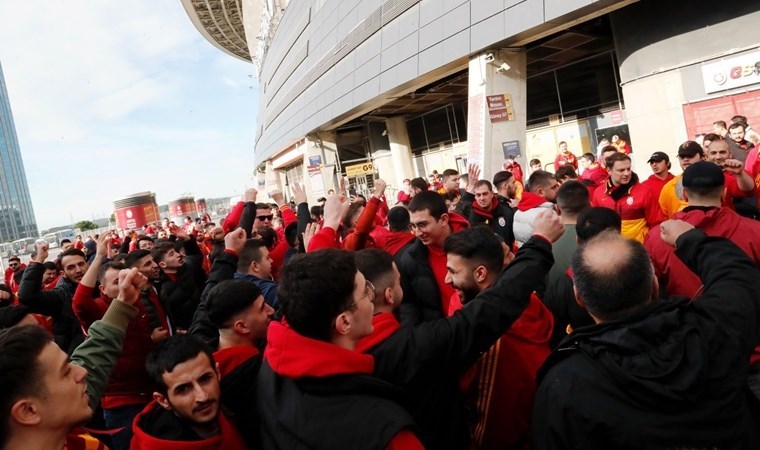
(14, 272)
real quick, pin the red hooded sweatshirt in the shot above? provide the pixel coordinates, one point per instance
(501, 385)
(673, 274)
(396, 240)
(437, 261)
(294, 356)
(228, 437)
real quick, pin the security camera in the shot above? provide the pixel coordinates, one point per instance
(490, 57)
(503, 67)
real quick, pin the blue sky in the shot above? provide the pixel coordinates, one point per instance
(112, 98)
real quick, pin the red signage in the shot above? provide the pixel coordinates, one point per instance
(500, 108)
(133, 217)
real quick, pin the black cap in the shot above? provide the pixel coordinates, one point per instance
(690, 149)
(659, 156)
(703, 175)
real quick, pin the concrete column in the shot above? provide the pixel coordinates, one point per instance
(320, 150)
(654, 106)
(492, 74)
(401, 151)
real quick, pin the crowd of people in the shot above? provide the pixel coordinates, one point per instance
(589, 310)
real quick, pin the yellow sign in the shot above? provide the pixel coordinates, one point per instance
(359, 169)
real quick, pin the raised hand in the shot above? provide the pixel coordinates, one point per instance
(473, 175)
(671, 230)
(102, 245)
(380, 186)
(334, 211)
(299, 194)
(311, 229)
(42, 251)
(549, 225)
(250, 195)
(130, 283)
(278, 197)
(235, 240)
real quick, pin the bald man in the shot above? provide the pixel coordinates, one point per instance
(654, 373)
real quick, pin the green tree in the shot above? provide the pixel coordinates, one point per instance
(85, 225)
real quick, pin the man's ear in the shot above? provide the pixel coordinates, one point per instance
(162, 265)
(444, 219)
(26, 412)
(240, 327)
(578, 298)
(480, 274)
(342, 324)
(162, 400)
(388, 296)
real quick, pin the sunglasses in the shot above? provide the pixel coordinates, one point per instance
(263, 218)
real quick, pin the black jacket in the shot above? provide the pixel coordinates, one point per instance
(671, 375)
(224, 268)
(55, 303)
(422, 298)
(181, 297)
(427, 359)
(559, 298)
(501, 221)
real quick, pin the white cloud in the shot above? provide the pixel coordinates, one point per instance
(112, 98)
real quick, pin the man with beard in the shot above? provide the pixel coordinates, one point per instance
(634, 202)
(149, 298)
(500, 385)
(55, 302)
(185, 412)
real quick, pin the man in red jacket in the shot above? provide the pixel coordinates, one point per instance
(129, 387)
(185, 412)
(501, 385)
(659, 162)
(14, 269)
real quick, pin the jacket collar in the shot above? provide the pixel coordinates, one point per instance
(385, 324)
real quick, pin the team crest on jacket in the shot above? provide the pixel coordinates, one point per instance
(502, 222)
(629, 200)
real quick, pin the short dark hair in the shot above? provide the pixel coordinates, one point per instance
(535, 161)
(588, 157)
(72, 252)
(736, 125)
(263, 206)
(120, 258)
(612, 159)
(449, 173)
(712, 137)
(595, 220)
(485, 183)
(65, 241)
(479, 246)
(50, 265)
(269, 236)
(538, 179)
(20, 372)
(10, 316)
(720, 123)
(572, 197)
(110, 265)
(251, 252)
(611, 291)
(502, 176)
(160, 250)
(739, 119)
(419, 183)
(315, 288)
(565, 171)
(430, 201)
(171, 352)
(144, 237)
(229, 298)
(14, 258)
(134, 256)
(376, 265)
(398, 219)
(316, 210)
